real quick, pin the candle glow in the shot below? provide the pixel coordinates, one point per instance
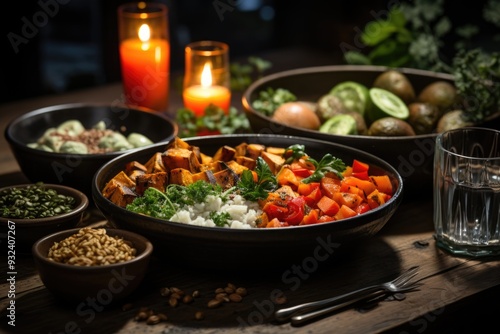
(145, 69)
(198, 97)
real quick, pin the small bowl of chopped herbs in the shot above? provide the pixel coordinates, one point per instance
(66, 144)
(29, 212)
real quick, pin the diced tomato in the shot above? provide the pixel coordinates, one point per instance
(275, 211)
(361, 175)
(362, 208)
(313, 198)
(328, 206)
(295, 210)
(302, 172)
(358, 166)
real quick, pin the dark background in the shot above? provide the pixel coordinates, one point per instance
(73, 44)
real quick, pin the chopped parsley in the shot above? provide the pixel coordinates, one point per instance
(266, 182)
(220, 218)
(327, 164)
(164, 205)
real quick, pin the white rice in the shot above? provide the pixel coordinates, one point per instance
(243, 213)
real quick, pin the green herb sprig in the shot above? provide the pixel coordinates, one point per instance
(266, 182)
(327, 164)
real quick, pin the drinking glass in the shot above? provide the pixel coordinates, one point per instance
(467, 191)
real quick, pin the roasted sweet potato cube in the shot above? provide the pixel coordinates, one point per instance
(226, 178)
(133, 166)
(247, 162)
(214, 166)
(181, 176)
(254, 150)
(275, 150)
(274, 161)
(179, 143)
(236, 167)
(204, 176)
(122, 196)
(156, 180)
(120, 179)
(155, 164)
(241, 149)
(205, 159)
(133, 176)
(180, 158)
(224, 153)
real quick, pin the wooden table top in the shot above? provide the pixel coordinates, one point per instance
(457, 295)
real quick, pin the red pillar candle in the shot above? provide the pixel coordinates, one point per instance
(145, 55)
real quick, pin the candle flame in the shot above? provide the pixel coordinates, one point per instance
(206, 76)
(144, 33)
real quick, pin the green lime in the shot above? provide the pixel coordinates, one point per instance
(386, 104)
(340, 124)
(353, 95)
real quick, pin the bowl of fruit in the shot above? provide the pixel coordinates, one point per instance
(394, 114)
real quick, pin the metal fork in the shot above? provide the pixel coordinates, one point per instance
(305, 312)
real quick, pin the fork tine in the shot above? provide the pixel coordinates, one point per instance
(406, 276)
(411, 287)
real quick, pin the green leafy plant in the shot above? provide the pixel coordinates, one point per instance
(413, 35)
(213, 121)
(242, 75)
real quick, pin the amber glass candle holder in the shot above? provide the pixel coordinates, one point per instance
(207, 77)
(145, 54)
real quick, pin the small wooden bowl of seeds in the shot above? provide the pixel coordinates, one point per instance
(29, 212)
(87, 263)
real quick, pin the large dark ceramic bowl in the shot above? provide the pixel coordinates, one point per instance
(249, 248)
(77, 170)
(411, 156)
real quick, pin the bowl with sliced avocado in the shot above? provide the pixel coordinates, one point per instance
(394, 114)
